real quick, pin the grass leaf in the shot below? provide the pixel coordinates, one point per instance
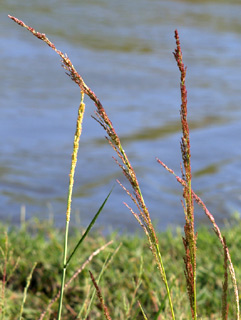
(88, 229)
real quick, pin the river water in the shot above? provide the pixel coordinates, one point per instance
(123, 50)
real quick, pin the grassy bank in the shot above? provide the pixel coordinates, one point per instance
(130, 275)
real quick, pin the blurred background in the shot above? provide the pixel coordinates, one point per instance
(123, 50)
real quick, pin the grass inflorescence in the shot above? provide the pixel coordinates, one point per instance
(150, 293)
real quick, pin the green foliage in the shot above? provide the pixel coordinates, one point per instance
(126, 280)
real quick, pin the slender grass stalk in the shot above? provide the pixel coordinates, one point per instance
(99, 294)
(190, 238)
(4, 254)
(217, 232)
(225, 283)
(143, 217)
(69, 200)
(63, 270)
(103, 268)
(142, 311)
(189, 195)
(26, 290)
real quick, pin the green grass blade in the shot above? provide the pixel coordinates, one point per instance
(162, 306)
(26, 290)
(142, 310)
(88, 229)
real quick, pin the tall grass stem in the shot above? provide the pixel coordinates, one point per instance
(190, 238)
(218, 234)
(69, 199)
(26, 290)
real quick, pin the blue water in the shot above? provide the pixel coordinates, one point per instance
(123, 50)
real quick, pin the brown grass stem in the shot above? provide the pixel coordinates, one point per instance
(217, 232)
(225, 282)
(190, 238)
(100, 297)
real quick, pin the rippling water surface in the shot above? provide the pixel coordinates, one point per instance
(123, 49)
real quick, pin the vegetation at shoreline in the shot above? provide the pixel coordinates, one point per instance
(150, 280)
(131, 276)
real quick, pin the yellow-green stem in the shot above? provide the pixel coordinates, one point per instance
(152, 238)
(163, 273)
(193, 254)
(69, 199)
(64, 269)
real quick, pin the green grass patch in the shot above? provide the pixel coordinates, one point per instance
(131, 274)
